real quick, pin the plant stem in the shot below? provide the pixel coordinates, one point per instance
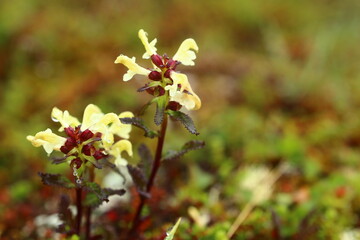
(89, 209)
(154, 170)
(88, 223)
(79, 209)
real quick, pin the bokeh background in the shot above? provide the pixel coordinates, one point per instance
(279, 83)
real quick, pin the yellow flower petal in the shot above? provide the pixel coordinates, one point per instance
(49, 140)
(149, 47)
(133, 67)
(92, 115)
(185, 96)
(118, 148)
(120, 129)
(186, 53)
(189, 101)
(64, 118)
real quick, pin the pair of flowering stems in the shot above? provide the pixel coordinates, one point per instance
(91, 143)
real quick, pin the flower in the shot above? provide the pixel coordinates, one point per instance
(164, 72)
(89, 141)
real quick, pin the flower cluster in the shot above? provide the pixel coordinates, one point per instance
(89, 141)
(165, 79)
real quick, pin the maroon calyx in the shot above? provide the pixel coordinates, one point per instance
(84, 140)
(155, 75)
(157, 60)
(175, 106)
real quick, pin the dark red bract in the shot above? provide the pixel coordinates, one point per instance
(84, 140)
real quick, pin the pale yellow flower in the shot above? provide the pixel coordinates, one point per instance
(64, 118)
(95, 121)
(185, 96)
(186, 54)
(118, 148)
(49, 140)
(164, 67)
(133, 67)
(149, 47)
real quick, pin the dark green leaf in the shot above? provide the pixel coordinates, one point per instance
(146, 159)
(138, 122)
(56, 180)
(160, 109)
(184, 119)
(58, 160)
(137, 176)
(189, 146)
(96, 195)
(65, 215)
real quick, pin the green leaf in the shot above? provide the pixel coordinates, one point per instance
(146, 159)
(189, 146)
(97, 195)
(160, 109)
(56, 180)
(137, 176)
(170, 234)
(65, 215)
(138, 122)
(184, 119)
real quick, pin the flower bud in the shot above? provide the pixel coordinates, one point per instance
(86, 135)
(175, 106)
(77, 162)
(99, 155)
(172, 64)
(70, 132)
(155, 75)
(157, 60)
(88, 149)
(70, 143)
(64, 149)
(167, 73)
(161, 91)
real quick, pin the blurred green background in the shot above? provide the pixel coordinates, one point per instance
(279, 83)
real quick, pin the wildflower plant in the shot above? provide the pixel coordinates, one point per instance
(93, 143)
(84, 146)
(171, 90)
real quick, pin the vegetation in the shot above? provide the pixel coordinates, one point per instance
(279, 85)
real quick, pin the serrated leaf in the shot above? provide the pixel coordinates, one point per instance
(160, 109)
(58, 160)
(56, 180)
(65, 215)
(189, 146)
(137, 176)
(64, 211)
(138, 122)
(96, 195)
(184, 119)
(146, 159)
(149, 85)
(170, 234)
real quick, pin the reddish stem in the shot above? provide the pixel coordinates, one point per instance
(89, 209)
(154, 170)
(79, 210)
